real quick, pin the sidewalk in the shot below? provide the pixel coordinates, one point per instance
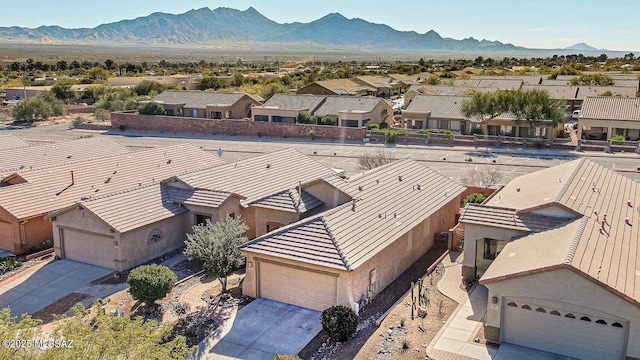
(449, 284)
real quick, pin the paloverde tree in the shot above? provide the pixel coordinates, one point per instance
(537, 109)
(487, 106)
(216, 245)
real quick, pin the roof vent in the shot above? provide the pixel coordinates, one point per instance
(629, 203)
(169, 161)
(377, 181)
(353, 205)
(399, 177)
(517, 189)
(360, 188)
(559, 180)
(627, 221)
(69, 156)
(419, 187)
(269, 166)
(108, 179)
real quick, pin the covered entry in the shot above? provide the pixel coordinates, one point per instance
(570, 333)
(315, 290)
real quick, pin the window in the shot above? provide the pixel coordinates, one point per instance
(350, 123)
(194, 113)
(232, 215)
(555, 312)
(600, 321)
(585, 318)
(541, 310)
(526, 307)
(216, 115)
(570, 316)
(201, 219)
(616, 324)
(492, 248)
(365, 122)
(512, 304)
(261, 118)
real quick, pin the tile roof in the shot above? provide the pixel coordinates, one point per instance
(39, 156)
(51, 188)
(440, 106)
(200, 197)
(606, 246)
(377, 81)
(335, 104)
(446, 90)
(259, 176)
(130, 209)
(611, 108)
(289, 200)
(345, 238)
(344, 86)
(10, 141)
(501, 84)
(527, 79)
(562, 92)
(555, 82)
(617, 91)
(197, 99)
(294, 102)
(508, 218)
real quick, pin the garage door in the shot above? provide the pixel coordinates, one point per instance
(292, 285)
(563, 332)
(88, 248)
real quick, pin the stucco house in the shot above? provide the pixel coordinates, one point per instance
(373, 227)
(385, 86)
(208, 105)
(284, 108)
(603, 117)
(558, 251)
(124, 229)
(28, 196)
(337, 87)
(436, 112)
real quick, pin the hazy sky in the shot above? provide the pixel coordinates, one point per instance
(530, 23)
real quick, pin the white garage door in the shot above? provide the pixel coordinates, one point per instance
(291, 285)
(563, 332)
(88, 248)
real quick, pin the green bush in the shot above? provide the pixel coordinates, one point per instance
(539, 144)
(327, 120)
(304, 117)
(181, 309)
(78, 121)
(476, 131)
(312, 134)
(475, 198)
(339, 322)
(384, 125)
(149, 283)
(373, 127)
(391, 136)
(152, 108)
(102, 114)
(436, 131)
(617, 138)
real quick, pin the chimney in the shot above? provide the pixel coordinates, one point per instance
(72, 178)
(353, 205)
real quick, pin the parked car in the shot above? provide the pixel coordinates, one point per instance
(575, 114)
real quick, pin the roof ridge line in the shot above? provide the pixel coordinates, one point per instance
(573, 247)
(377, 169)
(128, 190)
(335, 243)
(573, 175)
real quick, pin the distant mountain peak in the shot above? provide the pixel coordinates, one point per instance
(581, 47)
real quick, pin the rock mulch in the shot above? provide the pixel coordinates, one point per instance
(392, 343)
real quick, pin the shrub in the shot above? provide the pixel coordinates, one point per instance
(287, 357)
(373, 127)
(152, 108)
(304, 117)
(475, 198)
(339, 322)
(539, 144)
(476, 131)
(312, 134)
(436, 131)
(327, 120)
(78, 121)
(384, 125)
(391, 136)
(617, 138)
(405, 345)
(102, 114)
(180, 309)
(149, 283)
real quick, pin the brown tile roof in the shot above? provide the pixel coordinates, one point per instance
(508, 218)
(196, 99)
(39, 156)
(556, 91)
(307, 102)
(259, 176)
(344, 86)
(333, 105)
(611, 108)
(10, 141)
(440, 106)
(617, 91)
(606, 248)
(51, 188)
(385, 209)
(289, 200)
(199, 197)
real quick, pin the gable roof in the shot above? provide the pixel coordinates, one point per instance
(336, 104)
(39, 156)
(10, 141)
(259, 176)
(289, 200)
(560, 92)
(611, 108)
(342, 86)
(508, 218)
(294, 102)
(52, 188)
(345, 237)
(617, 91)
(196, 99)
(440, 106)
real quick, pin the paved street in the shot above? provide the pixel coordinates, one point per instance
(450, 161)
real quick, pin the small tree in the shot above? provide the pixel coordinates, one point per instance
(339, 322)
(149, 283)
(146, 87)
(368, 161)
(328, 120)
(102, 114)
(475, 198)
(152, 108)
(484, 177)
(63, 90)
(216, 245)
(304, 117)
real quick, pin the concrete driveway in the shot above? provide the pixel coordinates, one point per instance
(33, 292)
(515, 352)
(262, 329)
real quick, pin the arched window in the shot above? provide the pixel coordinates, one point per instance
(512, 304)
(526, 307)
(570, 316)
(616, 324)
(585, 318)
(555, 312)
(600, 321)
(541, 310)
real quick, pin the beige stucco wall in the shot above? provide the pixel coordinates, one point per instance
(262, 216)
(472, 234)
(555, 210)
(134, 249)
(565, 286)
(329, 195)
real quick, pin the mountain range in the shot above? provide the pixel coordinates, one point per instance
(231, 28)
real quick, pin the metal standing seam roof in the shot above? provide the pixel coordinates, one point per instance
(295, 102)
(335, 104)
(508, 218)
(609, 253)
(385, 209)
(196, 99)
(51, 188)
(11, 141)
(611, 108)
(259, 176)
(440, 106)
(66, 152)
